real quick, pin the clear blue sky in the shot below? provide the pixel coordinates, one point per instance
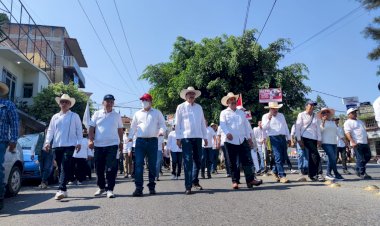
(337, 59)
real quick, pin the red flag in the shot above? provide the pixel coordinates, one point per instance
(240, 101)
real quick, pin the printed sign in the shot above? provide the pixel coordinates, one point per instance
(248, 115)
(270, 95)
(351, 102)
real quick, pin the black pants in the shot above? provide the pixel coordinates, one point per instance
(176, 161)
(63, 157)
(80, 169)
(105, 161)
(243, 151)
(343, 154)
(363, 155)
(313, 154)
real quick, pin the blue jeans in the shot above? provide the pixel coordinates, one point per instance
(280, 151)
(3, 148)
(46, 164)
(192, 151)
(63, 156)
(214, 160)
(158, 163)
(206, 160)
(176, 161)
(145, 147)
(302, 160)
(363, 155)
(330, 150)
(105, 161)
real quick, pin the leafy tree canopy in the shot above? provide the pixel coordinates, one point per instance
(44, 104)
(226, 64)
(373, 30)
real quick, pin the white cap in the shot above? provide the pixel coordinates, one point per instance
(351, 110)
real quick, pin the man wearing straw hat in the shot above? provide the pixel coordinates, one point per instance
(8, 132)
(190, 130)
(65, 129)
(277, 130)
(235, 125)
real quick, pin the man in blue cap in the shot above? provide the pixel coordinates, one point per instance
(106, 137)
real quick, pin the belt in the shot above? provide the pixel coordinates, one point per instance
(147, 138)
(278, 136)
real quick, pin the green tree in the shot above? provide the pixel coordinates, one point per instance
(320, 102)
(44, 104)
(373, 30)
(226, 64)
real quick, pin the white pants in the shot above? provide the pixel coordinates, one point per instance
(255, 159)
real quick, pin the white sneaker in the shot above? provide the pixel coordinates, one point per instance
(293, 171)
(110, 194)
(60, 195)
(174, 177)
(70, 183)
(99, 192)
(79, 183)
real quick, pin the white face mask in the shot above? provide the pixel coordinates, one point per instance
(145, 104)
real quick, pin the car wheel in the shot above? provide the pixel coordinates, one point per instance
(14, 181)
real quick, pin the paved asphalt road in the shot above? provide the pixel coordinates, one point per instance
(296, 203)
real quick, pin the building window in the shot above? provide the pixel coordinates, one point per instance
(9, 79)
(28, 90)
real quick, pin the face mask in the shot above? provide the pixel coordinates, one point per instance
(145, 104)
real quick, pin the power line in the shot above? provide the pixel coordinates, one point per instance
(329, 26)
(101, 42)
(270, 13)
(327, 94)
(246, 16)
(114, 43)
(126, 41)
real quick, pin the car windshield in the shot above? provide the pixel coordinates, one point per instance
(28, 141)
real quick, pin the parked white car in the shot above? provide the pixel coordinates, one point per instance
(13, 164)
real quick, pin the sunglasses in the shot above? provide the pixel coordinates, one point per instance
(64, 102)
(325, 112)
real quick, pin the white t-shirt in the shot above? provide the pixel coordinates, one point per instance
(106, 128)
(220, 133)
(210, 138)
(160, 142)
(357, 130)
(340, 138)
(84, 151)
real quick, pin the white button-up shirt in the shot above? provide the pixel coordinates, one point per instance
(376, 108)
(106, 126)
(259, 135)
(357, 130)
(276, 126)
(147, 124)
(190, 121)
(210, 138)
(172, 143)
(235, 123)
(65, 130)
(340, 138)
(303, 130)
(220, 133)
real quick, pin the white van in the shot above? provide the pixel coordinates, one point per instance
(13, 164)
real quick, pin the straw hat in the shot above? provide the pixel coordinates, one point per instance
(3, 89)
(189, 89)
(273, 105)
(226, 98)
(65, 97)
(332, 112)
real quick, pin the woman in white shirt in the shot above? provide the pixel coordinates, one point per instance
(329, 132)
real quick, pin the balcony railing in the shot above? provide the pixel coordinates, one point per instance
(70, 62)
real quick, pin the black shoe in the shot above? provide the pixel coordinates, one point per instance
(137, 193)
(367, 177)
(208, 176)
(152, 191)
(346, 172)
(203, 176)
(157, 179)
(1, 204)
(197, 186)
(357, 174)
(188, 192)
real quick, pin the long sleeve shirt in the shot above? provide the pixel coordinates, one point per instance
(235, 123)
(147, 124)
(304, 130)
(65, 129)
(210, 138)
(8, 121)
(190, 121)
(329, 133)
(259, 135)
(172, 143)
(376, 108)
(276, 126)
